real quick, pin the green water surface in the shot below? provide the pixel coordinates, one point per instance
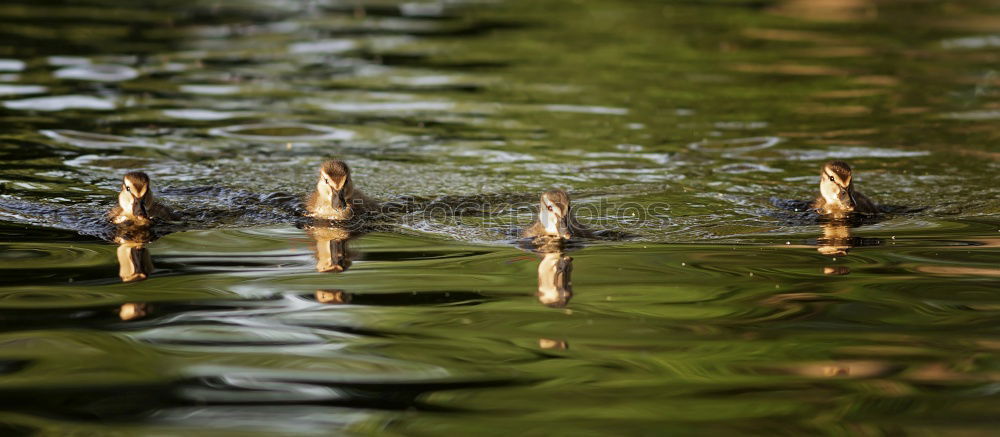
(684, 129)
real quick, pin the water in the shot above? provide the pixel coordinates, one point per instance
(687, 131)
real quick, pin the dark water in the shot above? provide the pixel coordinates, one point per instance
(685, 129)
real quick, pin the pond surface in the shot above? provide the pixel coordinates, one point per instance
(683, 129)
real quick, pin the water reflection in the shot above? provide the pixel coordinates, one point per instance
(250, 104)
(827, 10)
(555, 285)
(333, 297)
(133, 311)
(843, 369)
(134, 264)
(836, 270)
(548, 343)
(332, 254)
(836, 239)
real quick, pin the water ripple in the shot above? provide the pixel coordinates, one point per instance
(283, 132)
(92, 140)
(323, 46)
(201, 114)
(11, 65)
(850, 152)
(15, 90)
(735, 146)
(98, 73)
(60, 103)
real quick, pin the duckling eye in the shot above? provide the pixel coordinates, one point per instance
(549, 207)
(831, 178)
(127, 188)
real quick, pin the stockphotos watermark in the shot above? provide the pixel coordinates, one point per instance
(487, 212)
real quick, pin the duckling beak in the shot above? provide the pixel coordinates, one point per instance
(337, 199)
(847, 198)
(563, 227)
(138, 207)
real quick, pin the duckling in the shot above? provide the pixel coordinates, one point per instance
(136, 205)
(838, 197)
(555, 219)
(335, 197)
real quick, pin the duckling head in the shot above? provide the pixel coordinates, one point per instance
(135, 195)
(835, 185)
(554, 213)
(334, 185)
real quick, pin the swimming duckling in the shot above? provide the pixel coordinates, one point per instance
(837, 195)
(555, 219)
(335, 197)
(136, 205)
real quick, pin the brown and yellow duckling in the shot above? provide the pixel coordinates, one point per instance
(837, 195)
(335, 197)
(555, 219)
(136, 205)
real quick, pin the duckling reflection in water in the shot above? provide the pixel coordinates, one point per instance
(133, 311)
(836, 239)
(838, 197)
(555, 285)
(333, 297)
(335, 197)
(332, 255)
(134, 262)
(836, 270)
(552, 344)
(555, 219)
(136, 205)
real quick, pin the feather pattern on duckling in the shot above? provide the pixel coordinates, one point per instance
(335, 197)
(136, 204)
(837, 195)
(555, 219)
